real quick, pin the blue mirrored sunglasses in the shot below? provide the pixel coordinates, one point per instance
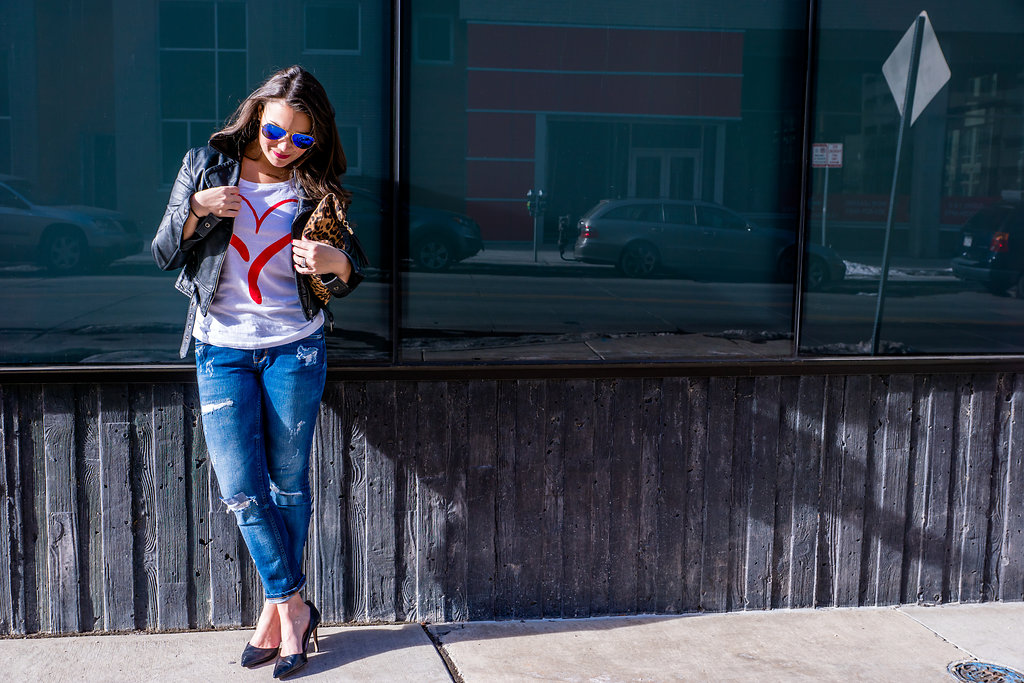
(300, 140)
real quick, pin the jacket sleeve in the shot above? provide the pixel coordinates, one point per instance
(169, 251)
(338, 287)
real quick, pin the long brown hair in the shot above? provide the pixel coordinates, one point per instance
(317, 172)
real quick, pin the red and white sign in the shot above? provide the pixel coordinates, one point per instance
(827, 155)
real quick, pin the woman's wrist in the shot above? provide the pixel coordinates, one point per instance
(342, 267)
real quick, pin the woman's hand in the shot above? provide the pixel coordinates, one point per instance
(317, 258)
(220, 201)
(224, 201)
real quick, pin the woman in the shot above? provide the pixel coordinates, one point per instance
(234, 223)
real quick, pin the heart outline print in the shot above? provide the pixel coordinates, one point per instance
(256, 267)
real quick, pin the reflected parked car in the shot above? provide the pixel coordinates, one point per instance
(698, 239)
(993, 249)
(64, 239)
(438, 239)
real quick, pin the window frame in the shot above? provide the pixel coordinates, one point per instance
(219, 116)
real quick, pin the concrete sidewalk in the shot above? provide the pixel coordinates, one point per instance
(860, 266)
(519, 259)
(869, 644)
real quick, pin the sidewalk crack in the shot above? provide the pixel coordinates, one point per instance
(453, 670)
(936, 633)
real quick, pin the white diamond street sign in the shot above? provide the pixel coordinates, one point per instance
(915, 72)
(932, 71)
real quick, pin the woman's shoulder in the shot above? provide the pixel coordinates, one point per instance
(207, 155)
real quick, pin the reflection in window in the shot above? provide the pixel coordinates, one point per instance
(636, 212)
(333, 28)
(432, 40)
(10, 200)
(716, 218)
(5, 114)
(613, 111)
(80, 285)
(952, 265)
(679, 214)
(350, 137)
(202, 72)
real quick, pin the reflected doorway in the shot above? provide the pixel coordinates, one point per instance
(664, 174)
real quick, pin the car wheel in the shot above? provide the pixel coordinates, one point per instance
(434, 253)
(64, 250)
(785, 271)
(638, 259)
(816, 276)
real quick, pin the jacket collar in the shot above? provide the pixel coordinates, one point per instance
(224, 173)
(229, 171)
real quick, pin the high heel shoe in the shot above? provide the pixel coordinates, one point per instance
(254, 656)
(289, 664)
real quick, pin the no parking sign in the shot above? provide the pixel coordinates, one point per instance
(827, 155)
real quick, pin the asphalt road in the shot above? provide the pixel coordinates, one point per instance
(132, 313)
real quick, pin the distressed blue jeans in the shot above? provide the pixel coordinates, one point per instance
(259, 409)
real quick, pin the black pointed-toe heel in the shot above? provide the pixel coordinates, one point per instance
(289, 664)
(254, 656)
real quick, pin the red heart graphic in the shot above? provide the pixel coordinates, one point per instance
(264, 257)
(238, 244)
(259, 219)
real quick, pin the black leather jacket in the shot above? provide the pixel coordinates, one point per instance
(201, 256)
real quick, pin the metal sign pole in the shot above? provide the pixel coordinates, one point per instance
(905, 120)
(536, 235)
(824, 209)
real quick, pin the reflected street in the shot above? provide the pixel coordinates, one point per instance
(132, 313)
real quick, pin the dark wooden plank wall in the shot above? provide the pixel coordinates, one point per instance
(532, 498)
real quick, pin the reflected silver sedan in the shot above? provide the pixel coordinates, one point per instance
(64, 239)
(697, 239)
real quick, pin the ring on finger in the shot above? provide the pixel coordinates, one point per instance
(303, 262)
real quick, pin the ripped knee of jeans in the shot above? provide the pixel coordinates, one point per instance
(238, 503)
(214, 407)
(282, 497)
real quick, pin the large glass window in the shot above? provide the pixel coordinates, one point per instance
(599, 181)
(108, 102)
(957, 239)
(665, 142)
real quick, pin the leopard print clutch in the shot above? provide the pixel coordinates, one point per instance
(327, 224)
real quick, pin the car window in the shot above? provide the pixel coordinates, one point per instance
(988, 220)
(650, 213)
(9, 199)
(679, 214)
(594, 209)
(717, 218)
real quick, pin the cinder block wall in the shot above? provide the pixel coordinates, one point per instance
(492, 499)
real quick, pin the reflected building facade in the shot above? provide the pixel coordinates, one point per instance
(568, 102)
(587, 102)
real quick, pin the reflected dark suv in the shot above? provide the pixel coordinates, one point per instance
(993, 249)
(697, 239)
(438, 239)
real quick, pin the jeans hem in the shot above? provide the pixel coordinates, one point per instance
(277, 600)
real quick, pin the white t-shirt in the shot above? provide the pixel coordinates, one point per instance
(257, 304)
